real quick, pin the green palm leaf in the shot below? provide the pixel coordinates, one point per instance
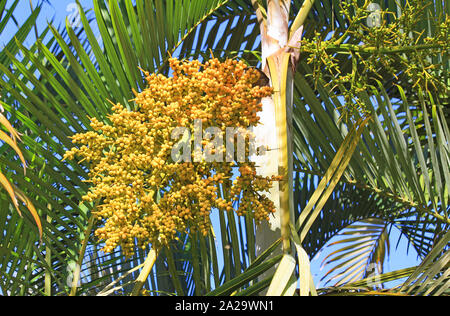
(360, 251)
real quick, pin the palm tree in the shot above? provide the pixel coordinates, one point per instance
(382, 163)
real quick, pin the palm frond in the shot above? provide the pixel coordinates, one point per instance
(360, 251)
(386, 161)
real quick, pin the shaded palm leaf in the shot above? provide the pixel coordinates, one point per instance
(383, 141)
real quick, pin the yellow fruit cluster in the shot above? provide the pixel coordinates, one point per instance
(141, 193)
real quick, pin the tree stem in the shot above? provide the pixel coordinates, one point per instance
(77, 272)
(143, 276)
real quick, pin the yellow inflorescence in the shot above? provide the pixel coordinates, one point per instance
(142, 194)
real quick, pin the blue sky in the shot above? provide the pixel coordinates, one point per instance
(59, 10)
(56, 10)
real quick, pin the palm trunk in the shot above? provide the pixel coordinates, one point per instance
(280, 52)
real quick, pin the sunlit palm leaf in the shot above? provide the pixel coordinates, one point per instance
(360, 251)
(432, 276)
(21, 250)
